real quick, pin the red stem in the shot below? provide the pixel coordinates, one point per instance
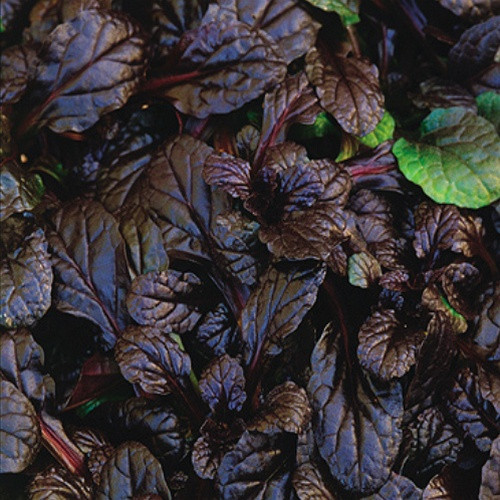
(156, 84)
(360, 171)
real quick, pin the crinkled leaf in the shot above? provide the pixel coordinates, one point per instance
(286, 408)
(398, 486)
(487, 331)
(357, 422)
(348, 88)
(292, 101)
(348, 10)
(224, 66)
(363, 270)
(472, 413)
(387, 347)
(57, 482)
(150, 358)
(205, 459)
(468, 236)
(289, 25)
(472, 9)
(434, 442)
(169, 300)
(90, 266)
(26, 277)
(18, 192)
(153, 423)
(237, 242)
(276, 308)
(382, 132)
(309, 485)
(476, 49)
(216, 331)
(490, 480)
(436, 227)
(258, 467)
(132, 471)
(222, 384)
(488, 104)
(435, 301)
(229, 174)
(21, 363)
(19, 429)
(434, 362)
(460, 283)
(88, 67)
(18, 67)
(456, 160)
(452, 482)
(438, 93)
(12, 10)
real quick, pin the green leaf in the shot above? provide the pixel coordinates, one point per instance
(457, 159)
(347, 9)
(488, 105)
(383, 132)
(323, 126)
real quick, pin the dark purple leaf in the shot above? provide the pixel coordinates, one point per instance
(18, 192)
(309, 485)
(26, 277)
(471, 412)
(276, 308)
(22, 363)
(356, 421)
(12, 10)
(88, 67)
(169, 300)
(460, 283)
(153, 423)
(131, 471)
(258, 467)
(487, 335)
(18, 68)
(286, 408)
(476, 49)
(223, 66)
(216, 331)
(58, 482)
(434, 442)
(237, 241)
(399, 487)
(150, 358)
(490, 480)
(90, 266)
(435, 301)
(468, 238)
(291, 27)
(348, 88)
(292, 101)
(229, 174)
(222, 384)
(387, 347)
(19, 429)
(438, 93)
(472, 9)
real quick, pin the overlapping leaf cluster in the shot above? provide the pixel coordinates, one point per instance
(248, 249)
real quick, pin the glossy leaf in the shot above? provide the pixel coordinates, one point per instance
(224, 65)
(22, 363)
(363, 270)
(88, 67)
(382, 132)
(150, 358)
(446, 163)
(153, 423)
(438, 93)
(309, 485)
(488, 104)
(289, 25)
(18, 67)
(276, 308)
(347, 88)
(286, 408)
(90, 266)
(131, 471)
(348, 10)
(169, 300)
(228, 173)
(58, 482)
(258, 467)
(26, 277)
(387, 347)
(490, 482)
(216, 331)
(471, 9)
(357, 422)
(19, 429)
(398, 487)
(222, 384)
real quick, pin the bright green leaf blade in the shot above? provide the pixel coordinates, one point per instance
(383, 132)
(488, 106)
(323, 126)
(347, 9)
(457, 160)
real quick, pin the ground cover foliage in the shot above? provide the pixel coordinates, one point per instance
(249, 249)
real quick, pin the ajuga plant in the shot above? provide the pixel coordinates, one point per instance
(249, 249)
